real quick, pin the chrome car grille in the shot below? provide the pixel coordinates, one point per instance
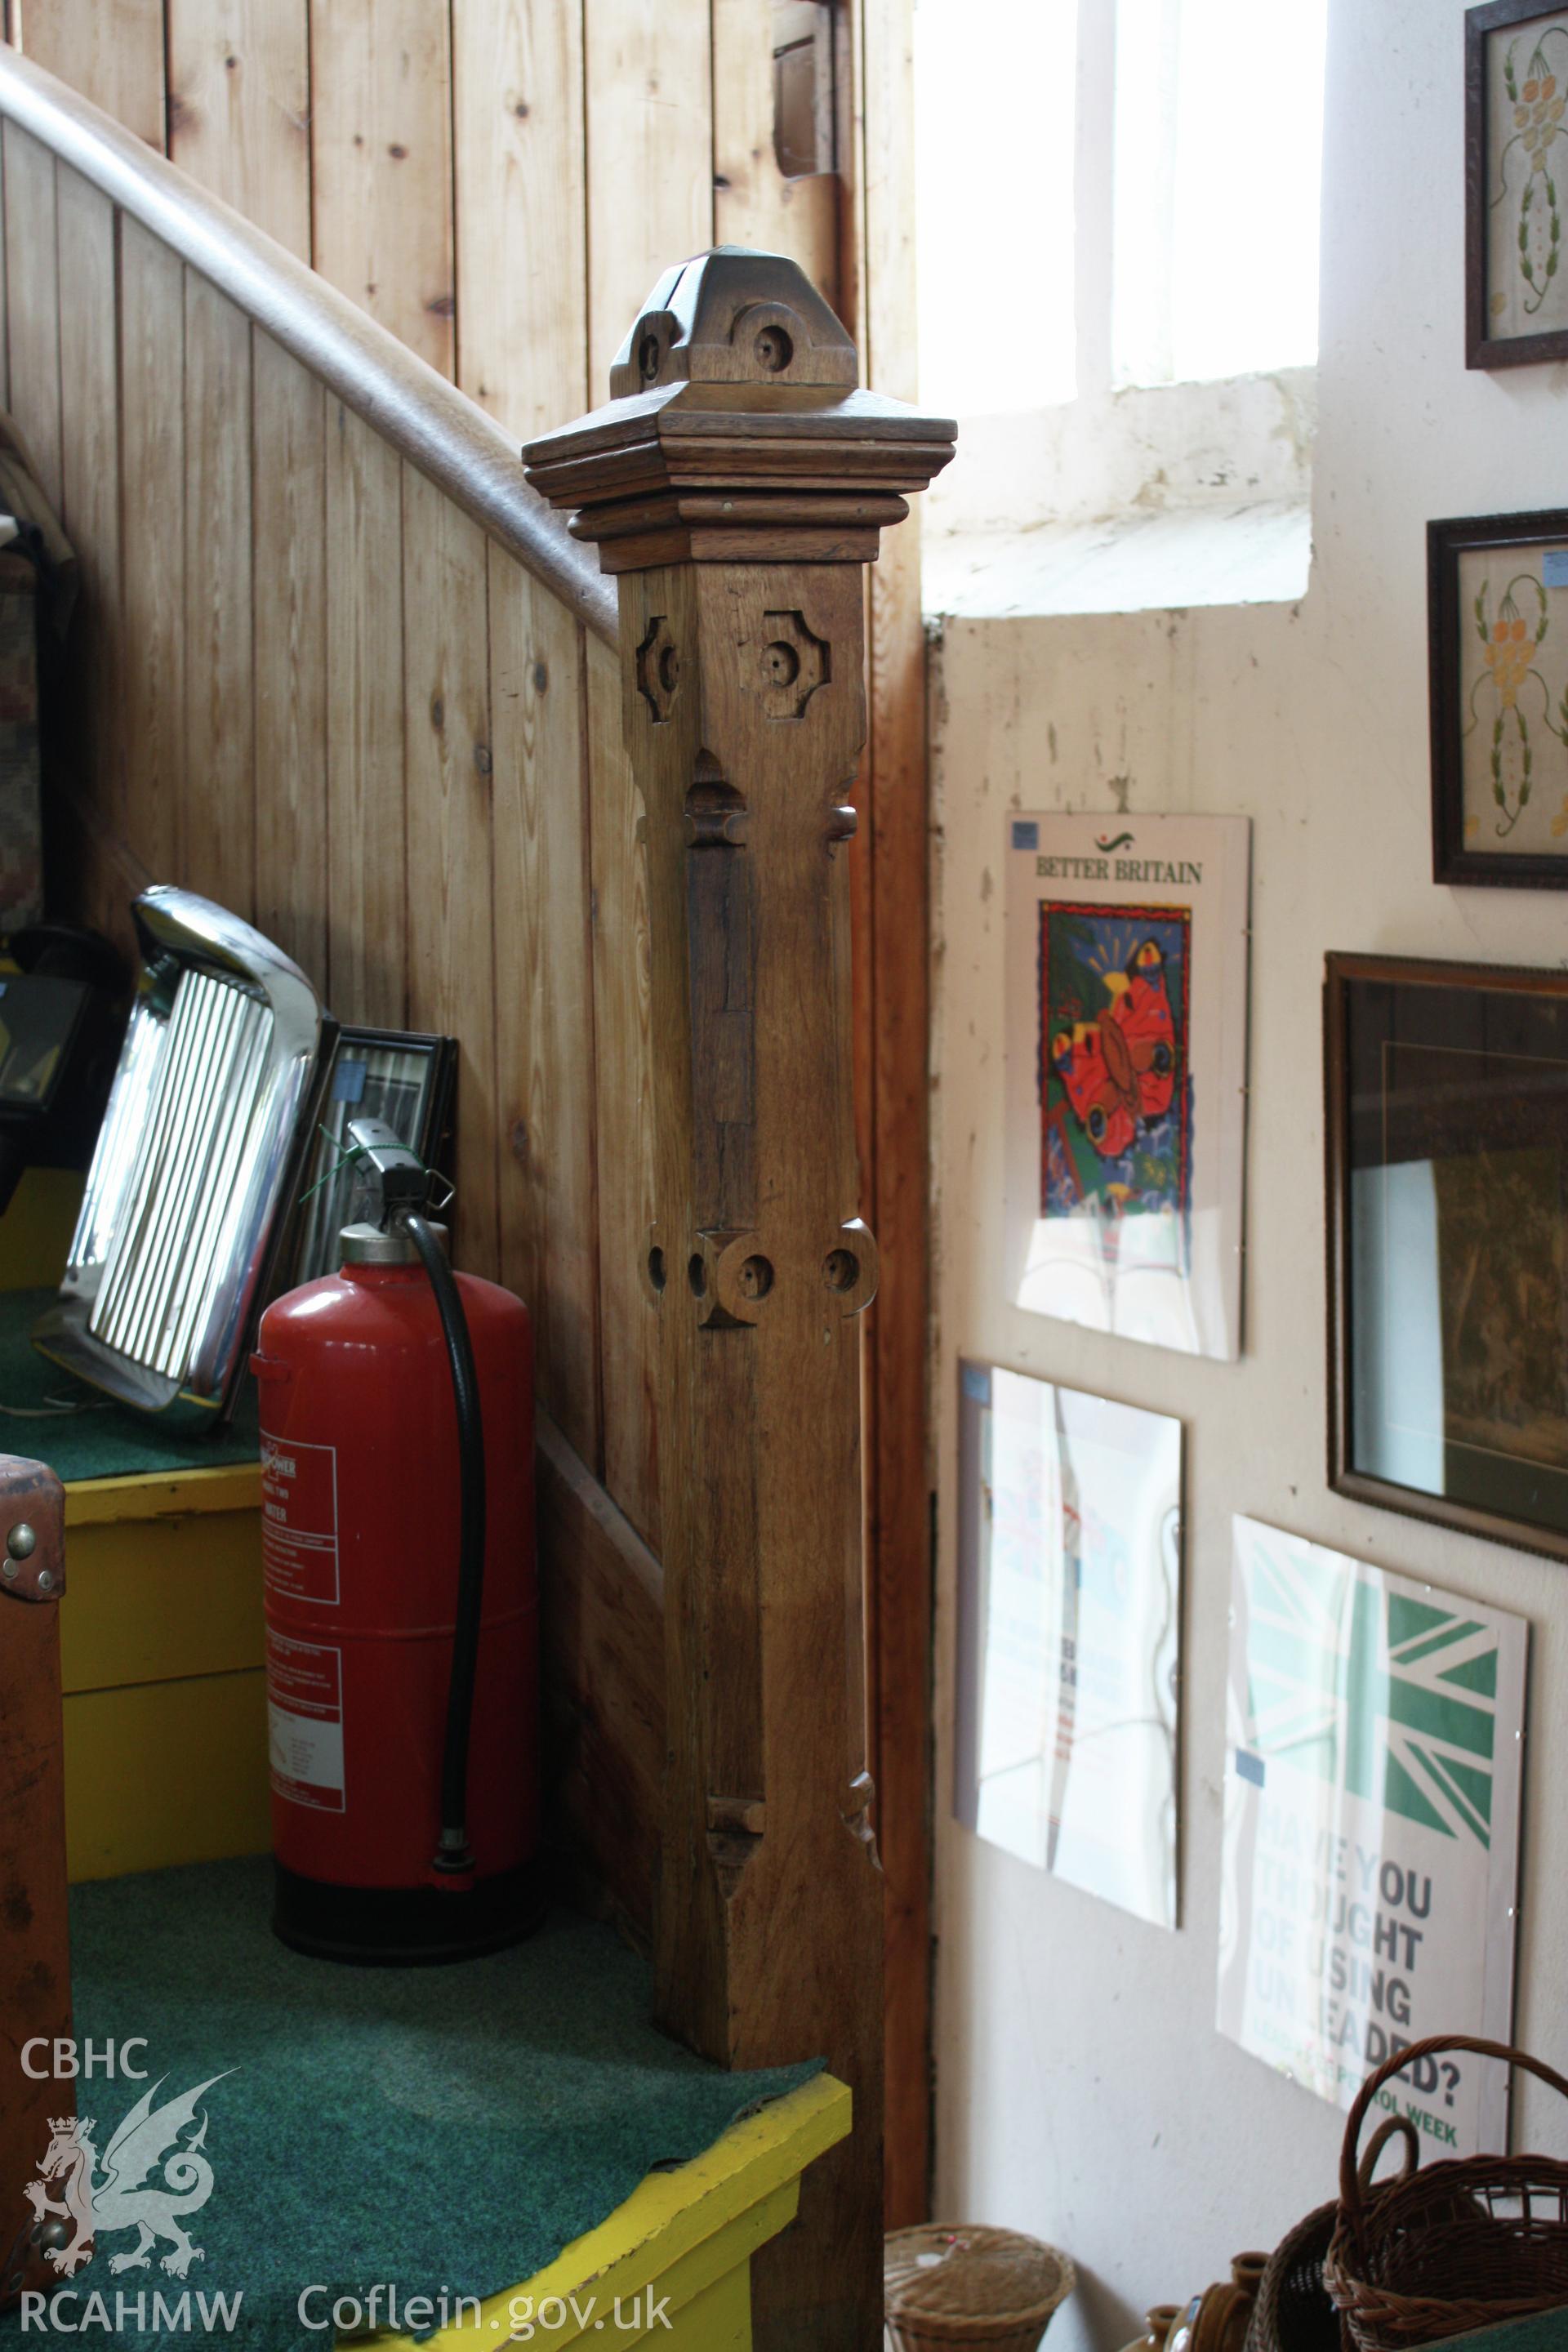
(190, 1183)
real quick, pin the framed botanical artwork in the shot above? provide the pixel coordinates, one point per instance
(1070, 1634)
(1516, 168)
(1126, 1080)
(1448, 1233)
(1497, 593)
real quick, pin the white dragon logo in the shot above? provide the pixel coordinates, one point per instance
(123, 2197)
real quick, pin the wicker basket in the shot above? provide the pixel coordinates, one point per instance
(1293, 2310)
(1463, 2245)
(950, 2286)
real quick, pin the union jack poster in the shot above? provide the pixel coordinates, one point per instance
(1373, 1743)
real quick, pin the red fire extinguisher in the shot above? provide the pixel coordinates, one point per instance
(401, 1594)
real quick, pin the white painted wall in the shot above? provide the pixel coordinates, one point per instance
(1083, 2092)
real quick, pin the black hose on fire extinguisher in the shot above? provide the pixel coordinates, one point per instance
(404, 1184)
(452, 1853)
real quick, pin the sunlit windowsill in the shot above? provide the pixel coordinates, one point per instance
(1230, 553)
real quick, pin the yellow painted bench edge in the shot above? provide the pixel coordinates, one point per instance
(164, 1494)
(668, 2215)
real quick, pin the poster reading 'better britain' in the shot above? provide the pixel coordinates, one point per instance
(1373, 1737)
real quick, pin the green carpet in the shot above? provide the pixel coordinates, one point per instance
(99, 1441)
(441, 2129)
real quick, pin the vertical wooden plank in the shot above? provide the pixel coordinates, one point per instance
(4, 331)
(218, 820)
(110, 51)
(289, 440)
(622, 1077)
(380, 164)
(240, 97)
(90, 454)
(852, 95)
(32, 303)
(545, 1001)
(650, 159)
(35, 1939)
(367, 914)
(753, 204)
(517, 83)
(900, 1480)
(152, 550)
(451, 947)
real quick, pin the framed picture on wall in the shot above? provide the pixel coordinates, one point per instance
(1370, 1881)
(1497, 593)
(1516, 171)
(1126, 1081)
(1070, 1634)
(404, 1077)
(1447, 1243)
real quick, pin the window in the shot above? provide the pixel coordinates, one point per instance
(994, 115)
(1219, 125)
(1118, 250)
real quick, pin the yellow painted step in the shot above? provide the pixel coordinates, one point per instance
(684, 2238)
(160, 1773)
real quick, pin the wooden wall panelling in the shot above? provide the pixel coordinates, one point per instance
(89, 465)
(899, 1482)
(544, 1000)
(32, 303)
(517, 101)
(110, 50)
(217, 842)
(380, 164)
(289, 592)
(152, 546)
(754, 203)
(628, 1336)
(451, 944)
(240, 100)
(649, 159)
(367, 909)
(4, 329)
(600, 1610)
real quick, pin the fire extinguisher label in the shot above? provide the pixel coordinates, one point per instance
(305, 1722)
(299, 1519)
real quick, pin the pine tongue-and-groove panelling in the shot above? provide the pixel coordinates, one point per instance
(447, 835)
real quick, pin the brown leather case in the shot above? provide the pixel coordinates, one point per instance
(35, 1966)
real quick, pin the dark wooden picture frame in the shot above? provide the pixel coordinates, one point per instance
(1344, 975)
(1482, 349)
(1453, 861)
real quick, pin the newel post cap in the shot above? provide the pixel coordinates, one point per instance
(735, 432)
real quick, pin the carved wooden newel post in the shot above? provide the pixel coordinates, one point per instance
(737, 482)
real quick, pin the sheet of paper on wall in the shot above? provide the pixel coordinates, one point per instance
(1070, 1634)
(1127, 979)
(1373, 1737)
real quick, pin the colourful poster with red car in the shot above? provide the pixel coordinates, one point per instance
(1115, 1077)
(1127, 956)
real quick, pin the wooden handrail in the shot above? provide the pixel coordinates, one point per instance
(415, 411)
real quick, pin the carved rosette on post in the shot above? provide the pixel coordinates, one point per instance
(736, 483)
